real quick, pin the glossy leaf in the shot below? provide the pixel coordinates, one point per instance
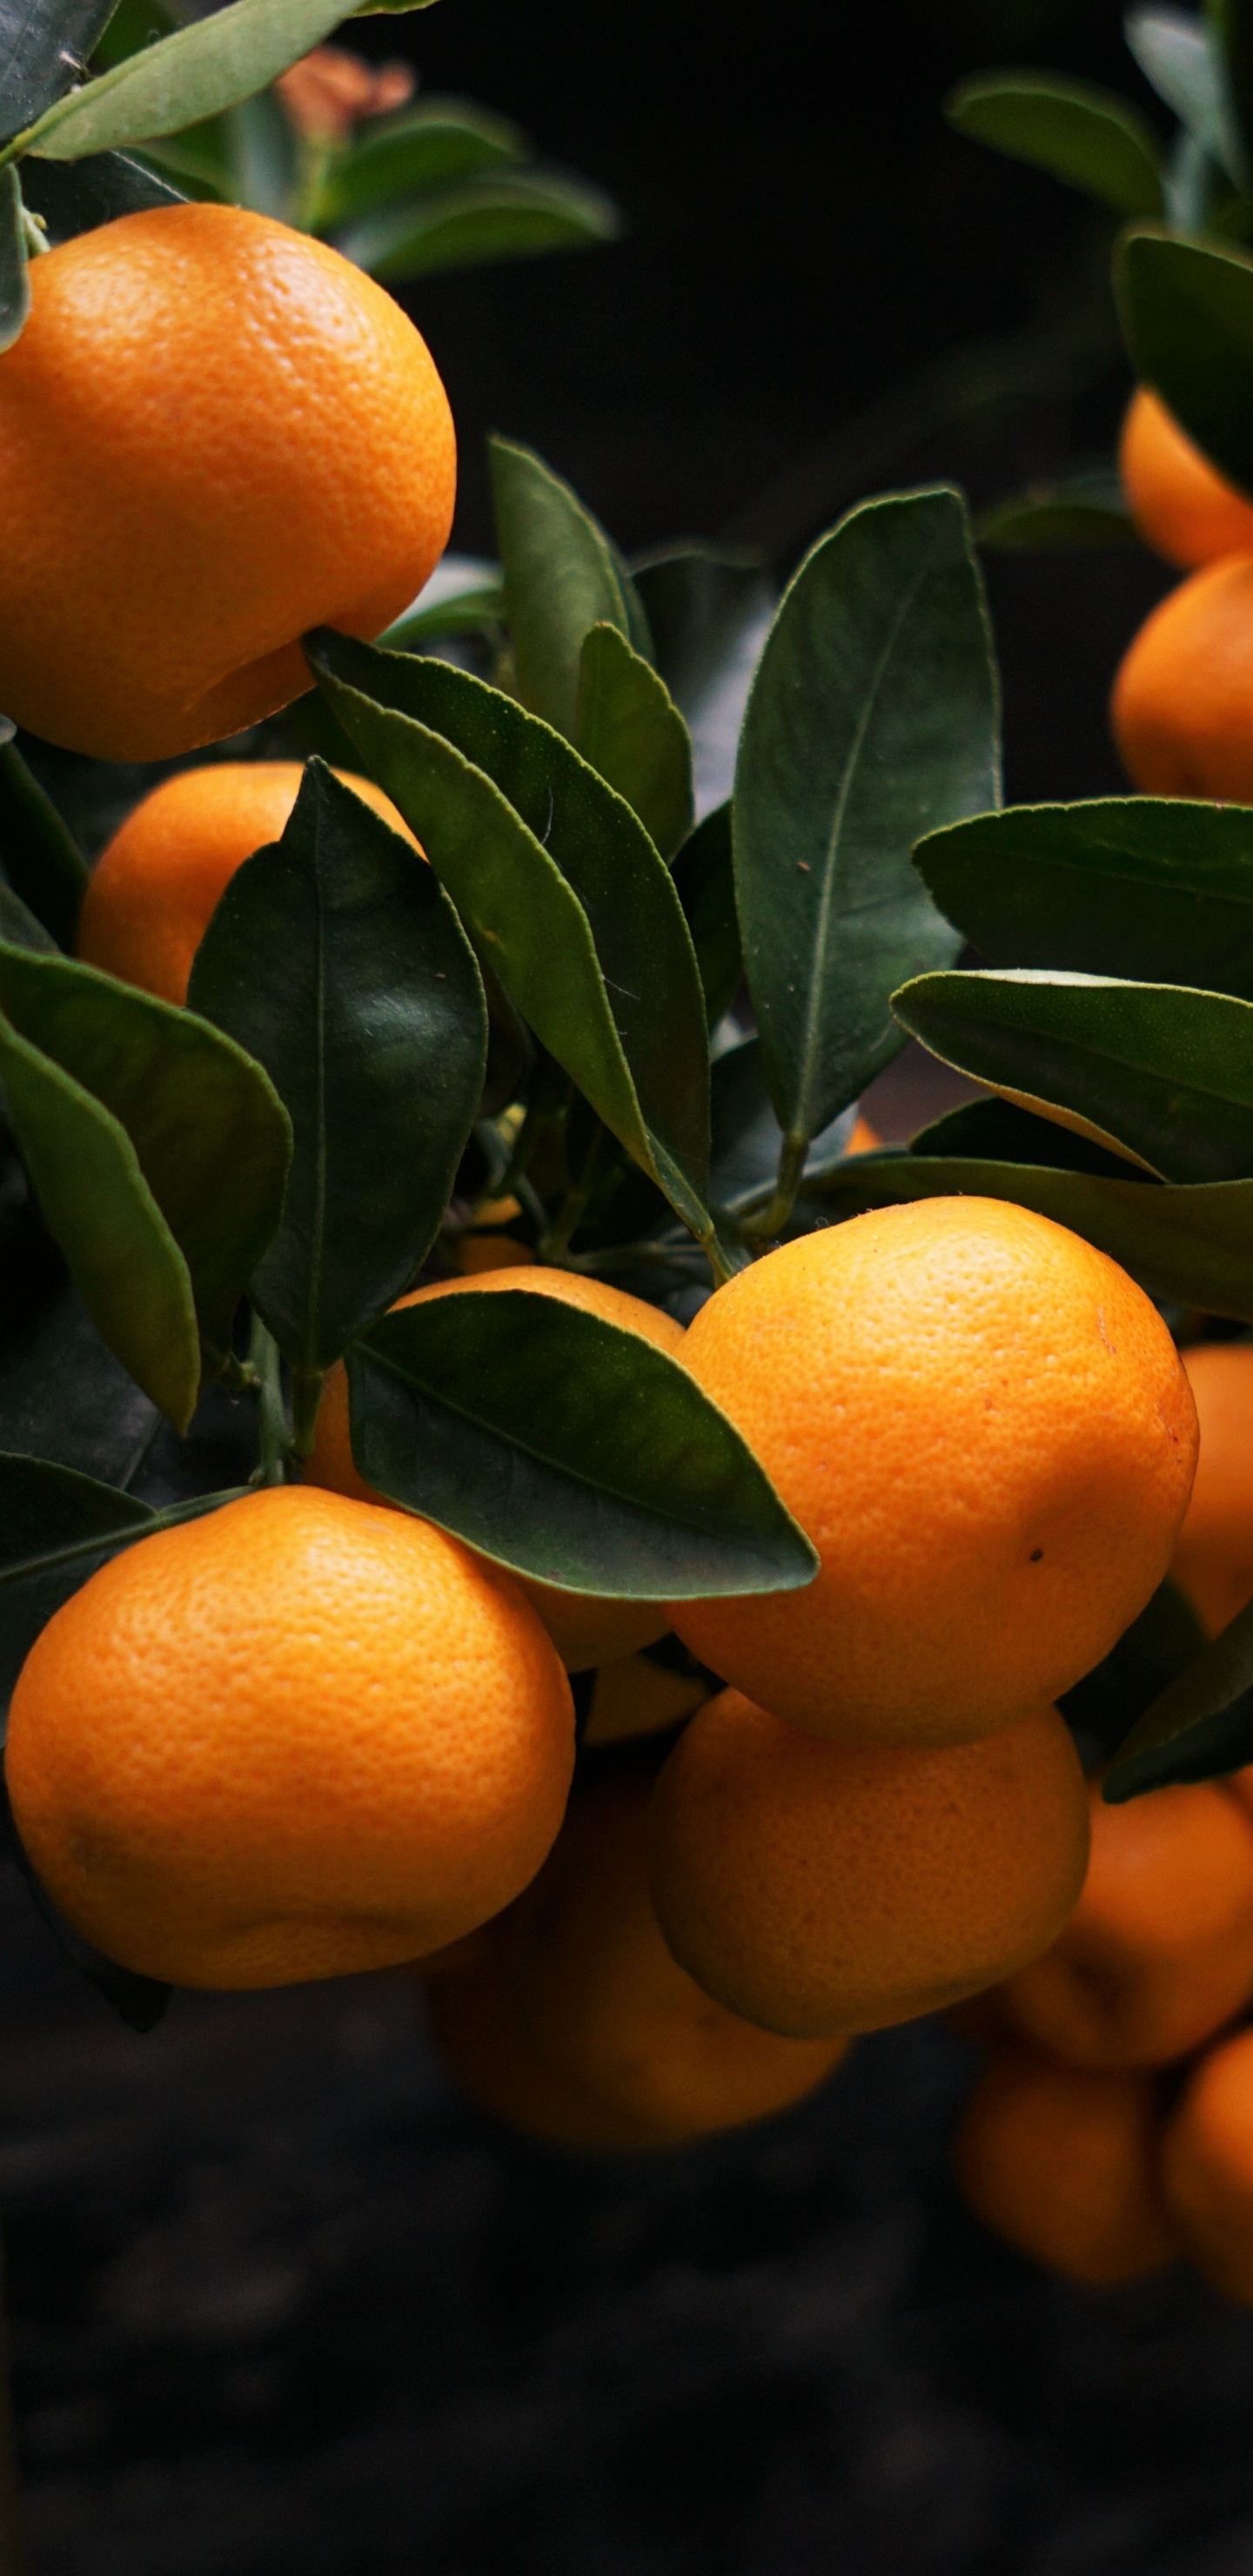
(1199, 1727)
(43, 45)
(873, 718)
(514, 1420)
(631, 731)
(561, 577)
(1003, 1133)
(1080, 510)
(557, 882)
(500, 215)
(1187, 315)
(424, 147)
(1149, 1655)
(704, 876)
(709, 610)
(207, 1132)
(41, 858)
(1192, 1245)
(193, 74)
(747, 1137)
(65, 1398)
(1164, 1072)
(337, 961)
(14, 275)
(75, 196)
(1139, 886)
(1087, 136)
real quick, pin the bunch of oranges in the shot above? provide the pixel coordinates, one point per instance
(1113, 2128)
(1183, 698)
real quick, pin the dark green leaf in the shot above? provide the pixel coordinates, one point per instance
(1087, 136)
(1192, 1246)
(209, 1134)
(200, 159)
(557, 882)
(747, 1138)
(514, 1420)
(1151, 1653)
(64, 1397)
(337, 961)
(193, 74)
(704, 876)
(873, 717)
(561, 578)
(1002, 1133)
(1143, 886)
(262, 149)
(14, 276)
(1231, 23)
(1161, 1071)
(1085, 509)
(438, 140)
(41, 858)
(464, 596)
(1187, 313)
(709, 612)
(1173, 49)
(75, 196)
(133, 25)
(1201, 1725)
(501, 215)
(631, 731)
(19, 928)
(56, 1529)
(43, 45)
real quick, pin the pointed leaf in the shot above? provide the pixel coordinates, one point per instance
(873, 717)
(1001, 1132)
(424, 147)
(514, 1420)
(561, 578)
(556, 880)
(1163, 1072)
(75, 196)
(43, 44)
(1199, 1727)
(209, 1134)
(631, 731)
(193, 74)
(709, 609)
(704, 877)
(1087, 136)
(42, 860)
(1187, 316)
(1191, 1245)
(500, 215)
(1143, 886)
(338, 962)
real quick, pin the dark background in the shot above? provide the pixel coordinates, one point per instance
(283, 2305)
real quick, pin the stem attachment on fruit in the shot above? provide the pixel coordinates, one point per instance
(12, 2550)
(769, 1223)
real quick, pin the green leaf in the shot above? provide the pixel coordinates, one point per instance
(262, 149)
(561, 578)
(709, 611)
(42, 860)
(1003, 1133)
(56, 1529)
(1150, 1654)
(133, 25)
(1084, 509)
(63, 1395)
(1162, 1072)
(1199, 1727)
(631, 731)
(873, 717)
(424, 147)
(206, 1130)
(1154, 888)
(76, 196)
(14, 274)
(514, 1420)
(704, 877)
(1192, 1246)
(747, 1137)
(1174, 52)
(1187, 316)
(201, 158)
(1087, 136)
(1231, 23)
(556, 882)
(42, 45)
(500, 215)
(193, 74)
(338, 962)
(464, 596)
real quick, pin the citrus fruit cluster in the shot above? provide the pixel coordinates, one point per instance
(1183, 698)
(1113, 2128)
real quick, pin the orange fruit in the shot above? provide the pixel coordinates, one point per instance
(493, 1252)
(985, 1429)
(157, 885)
(294, 1738)
(864, 1139)
(586, 1628)
(215, 433)
(820, 1887)
(1213, 1560)
(1179, 502)
(1183, 699)
(1207, 2167)
(1159, 1950)
(1064, 2165)
(598, 2012)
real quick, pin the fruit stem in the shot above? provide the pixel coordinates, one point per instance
(272, 1423)
(12, 2551)
(306, 1395)
(769, 1223)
